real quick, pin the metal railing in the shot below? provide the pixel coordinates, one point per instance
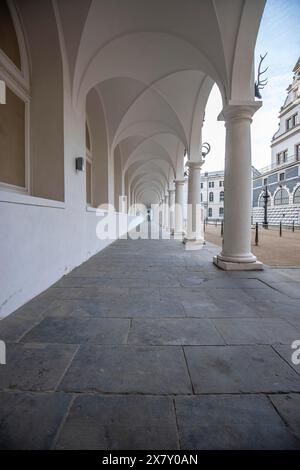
(278, 166)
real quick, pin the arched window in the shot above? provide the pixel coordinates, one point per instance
(297, 196)
(14, 125)
(221, 196)
(281, 197)
(261, 201)
(211, 197)
(209, 212)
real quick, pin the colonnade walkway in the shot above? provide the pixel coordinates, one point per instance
(149, 346)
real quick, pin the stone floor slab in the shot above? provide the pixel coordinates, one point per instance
(30, 421)
(286, 351)
(120, 423)
(36, 367)
(120, 282)
(88, 293)
(14, 326)
(288, 406)
(133, 308)
(211, 308)
(256, 331)
(289, 288)
(239, 369)
(231, 422)
(181, 331)
(74, 330)
(127, 369)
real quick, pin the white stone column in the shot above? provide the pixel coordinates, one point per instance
(162, 211)
(166, 212)
(179, 208)
(172, 210)
(194, 239)
(236, 251)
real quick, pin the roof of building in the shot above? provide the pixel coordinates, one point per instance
(297, 65)
(210, 174)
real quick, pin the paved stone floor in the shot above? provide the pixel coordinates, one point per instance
(149, 346)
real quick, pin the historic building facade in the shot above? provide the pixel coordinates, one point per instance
(282, 176)
(212, 195)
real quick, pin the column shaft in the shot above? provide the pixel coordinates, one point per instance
(166, 212)
(172, 210)
(194, 236)
(236, 251)
(179, 207)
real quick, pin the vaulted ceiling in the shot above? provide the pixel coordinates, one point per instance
(153, 64)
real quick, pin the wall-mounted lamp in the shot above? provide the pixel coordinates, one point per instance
(79, 163)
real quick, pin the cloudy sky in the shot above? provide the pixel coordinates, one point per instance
(279, 35)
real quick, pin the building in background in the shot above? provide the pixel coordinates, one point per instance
(282, 176)
(212, 195)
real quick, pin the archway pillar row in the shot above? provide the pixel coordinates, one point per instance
(236, 252)
(179, 209)
(171, 210)
(194, 239)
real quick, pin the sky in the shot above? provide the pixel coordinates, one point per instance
(279, 35)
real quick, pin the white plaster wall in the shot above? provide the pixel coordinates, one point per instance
(40, 244)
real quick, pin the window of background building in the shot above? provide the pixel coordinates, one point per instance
(281, 176)
(265, 181)
(291, 122)
(211, 197)
(221, 211)
(201, 197)
(221, 196)
(281, 197)
(282, 157)
(297, 196)
(297, 151)
(211, 184)
(261, 200)
(221, 184)
(209, 212)
(201, 185)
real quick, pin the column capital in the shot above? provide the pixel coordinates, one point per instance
(239, 110)
(194, 165)
(179, 181)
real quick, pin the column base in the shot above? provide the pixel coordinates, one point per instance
(178, 235)
(193, 244)
(237, 266)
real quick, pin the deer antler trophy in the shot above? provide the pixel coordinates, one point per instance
(260, 83)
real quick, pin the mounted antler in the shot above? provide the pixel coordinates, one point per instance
(205, 149)
(260, 84)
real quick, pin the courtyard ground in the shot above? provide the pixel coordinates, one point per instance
(272, 249)
(149, 346)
